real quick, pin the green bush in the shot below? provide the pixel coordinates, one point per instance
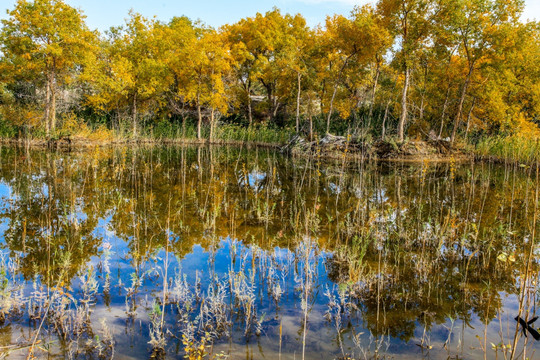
(7, 130)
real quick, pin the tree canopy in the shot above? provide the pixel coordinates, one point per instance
(402, 67)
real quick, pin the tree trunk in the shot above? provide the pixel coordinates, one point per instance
(199, 121)
(330, 110)
(310, 128)
(211, 137)
(383, 134)
(183, 126)
(134, 114)
(272, 100)
(469, 117)
(403, 115)
(53, 103)
(276, 107)
(334, 93)
(374, 91)
(457, 121)
(48, 106)
(426, 71)
(421, 115)
(250, 117)
(310, 117)
(246, 85)
(321, 98)
(445, 106)
(298, 104)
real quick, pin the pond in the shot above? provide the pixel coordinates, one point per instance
(229, 252)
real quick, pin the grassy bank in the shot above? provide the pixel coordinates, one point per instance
(509, 149)
(223, 133)
(504, 149)
(81, 133)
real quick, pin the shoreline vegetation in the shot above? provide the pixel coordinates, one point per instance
(398, 79)
(507, 150)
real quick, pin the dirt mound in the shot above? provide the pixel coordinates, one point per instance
(333, 146)
(327, 146)
(413, 149)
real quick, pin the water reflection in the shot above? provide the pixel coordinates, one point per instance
(325, 259)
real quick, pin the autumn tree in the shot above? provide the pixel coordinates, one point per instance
(264, 48)
(525, 64)
(180, 35)
(352, 45)
(202, 72)
(293, 63)
(442, 83)
(410, 21)
(132, 70)
(503, 91)
(247, 54)
(432, 66)
(480, 27)
(44, 42)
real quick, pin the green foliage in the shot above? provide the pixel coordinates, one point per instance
(227, 132)
(256, 133)
(7, 130)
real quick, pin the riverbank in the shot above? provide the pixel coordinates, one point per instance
(82, 143)
(507, 150)
(328, 147)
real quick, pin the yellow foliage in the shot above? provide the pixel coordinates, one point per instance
(526, 128)
(21, 115)
(77, 128)
(469, 59)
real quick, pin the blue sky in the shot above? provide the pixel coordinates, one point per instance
(102, 14)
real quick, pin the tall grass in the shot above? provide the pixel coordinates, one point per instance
(223, 132)
(258, 133)
(509, 149)
(77, 128)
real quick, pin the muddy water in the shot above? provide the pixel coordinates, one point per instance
(235, 253)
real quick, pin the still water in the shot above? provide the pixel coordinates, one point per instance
(222, 252)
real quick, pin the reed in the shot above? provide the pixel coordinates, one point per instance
(509, 149)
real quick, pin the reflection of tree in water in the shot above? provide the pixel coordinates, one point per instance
(405, 293)
(419, 244)
(47, 223)
(428, 250)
